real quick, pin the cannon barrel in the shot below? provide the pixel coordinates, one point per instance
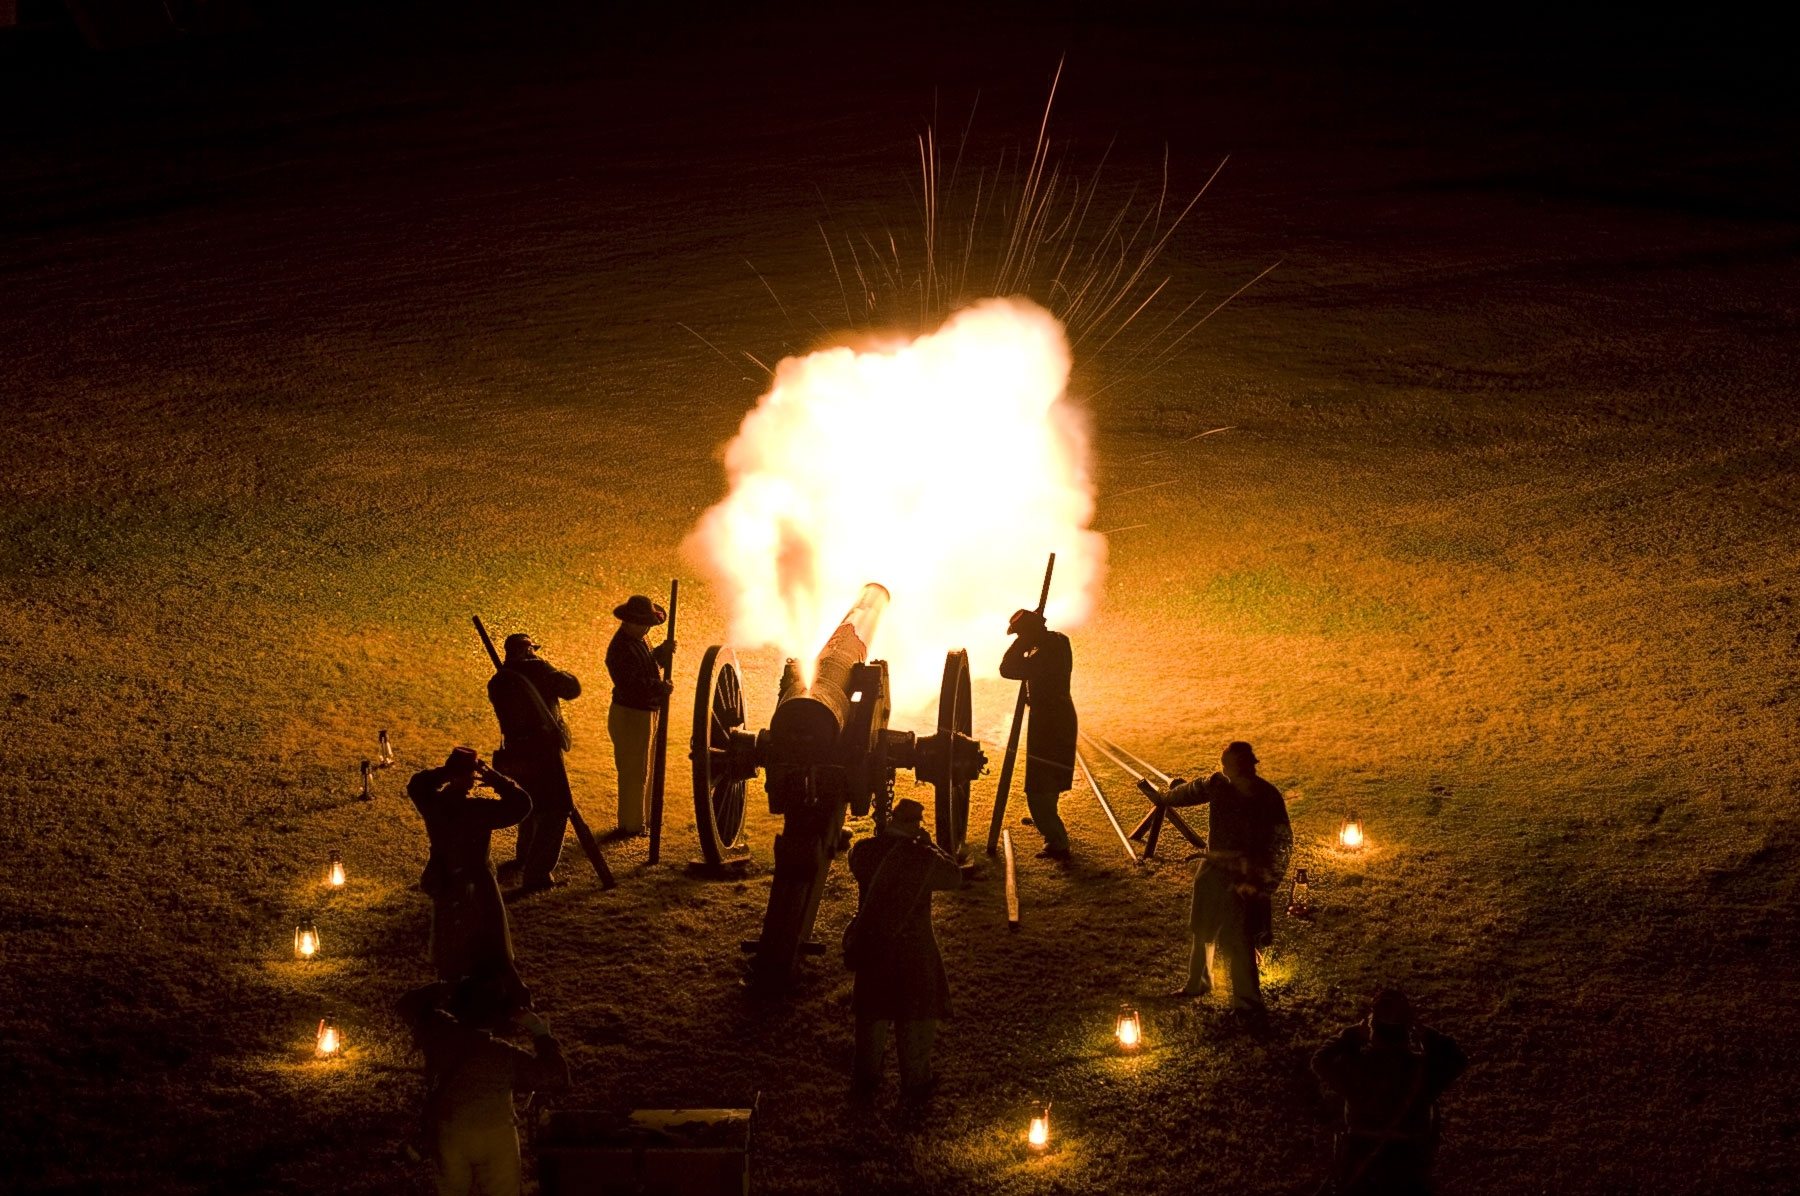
(810, 719)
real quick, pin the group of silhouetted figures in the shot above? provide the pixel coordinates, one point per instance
(1387, 1070)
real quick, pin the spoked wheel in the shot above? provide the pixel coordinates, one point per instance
(718, 792)
(955, 716)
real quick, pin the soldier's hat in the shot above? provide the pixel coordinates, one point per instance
(1023, 620)
(1391, 1008)
(462, 759)
(907, 818)
(639, 609)
(1238, 747)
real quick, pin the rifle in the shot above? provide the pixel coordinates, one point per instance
(589, 846)
(661, 767)
(1012, 737)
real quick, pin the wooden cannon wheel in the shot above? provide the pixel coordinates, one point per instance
(718, 793)
(955, 715)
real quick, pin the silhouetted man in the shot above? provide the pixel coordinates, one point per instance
(1042, 659)
(469, 931)
(1248, 848)
(638, 691)
(900, 977)
(1390, 1073)
(527, 694)
(470, 1078)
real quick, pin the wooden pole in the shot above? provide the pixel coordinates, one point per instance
(660, 771)
(1004, 789)
(1100, 797)
(1012, 883)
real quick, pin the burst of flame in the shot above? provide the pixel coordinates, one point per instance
(945, 467)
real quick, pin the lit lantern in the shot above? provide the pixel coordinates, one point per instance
(387, 751)
(1350, 834)
(1299, 897)
(306, 940)
(1129, 1029)
(1039, 1133)
(334, 872)
(327, 1042)
(368, 794)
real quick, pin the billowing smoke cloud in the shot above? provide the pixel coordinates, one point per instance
(946, 468)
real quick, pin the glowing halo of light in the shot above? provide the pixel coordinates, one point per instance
(944, 467)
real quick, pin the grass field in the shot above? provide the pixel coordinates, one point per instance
(1499, 551)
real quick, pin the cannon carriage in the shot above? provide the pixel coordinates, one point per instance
(827, 751)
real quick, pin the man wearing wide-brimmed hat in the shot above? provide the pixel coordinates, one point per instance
(900, 977)
(639, 687)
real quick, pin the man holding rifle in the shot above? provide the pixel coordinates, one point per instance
(527, 694)
(1043, 660)
(1249, 845)
(639, 688)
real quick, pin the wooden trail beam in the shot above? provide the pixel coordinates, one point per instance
(1150, 829)
(1012, 883)
(1100, 797)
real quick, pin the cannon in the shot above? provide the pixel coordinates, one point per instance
(827, 750)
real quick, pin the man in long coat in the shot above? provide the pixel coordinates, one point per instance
(639, 688)
(536, 737)
(1042, 659)
(469, 931)
(1249, 842)
(900, 977)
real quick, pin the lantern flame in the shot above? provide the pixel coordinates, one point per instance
(945, 467)
(1351, 835)
(327, 1041)
(334, 876)
(306, 941)
(1039, 1133)
(1130, 1030)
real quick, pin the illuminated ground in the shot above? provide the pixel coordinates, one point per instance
(1500, 551)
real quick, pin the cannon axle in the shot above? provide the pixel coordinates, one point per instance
(827, 752)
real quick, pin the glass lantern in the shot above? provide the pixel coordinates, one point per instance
(327, 1042)
(368, 794)
(387, 751)
(1128, 1029)
(1038, 1133)
(1299, 896)
(1350, 834)
(306, 940)
(334, 872)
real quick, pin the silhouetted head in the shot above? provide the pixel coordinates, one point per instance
(907, 819)
(461, 765)
(1238, 761)
(1026, 624)
(481, 1002)
(639, 615)
(520, 646)
(1390, 1017)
